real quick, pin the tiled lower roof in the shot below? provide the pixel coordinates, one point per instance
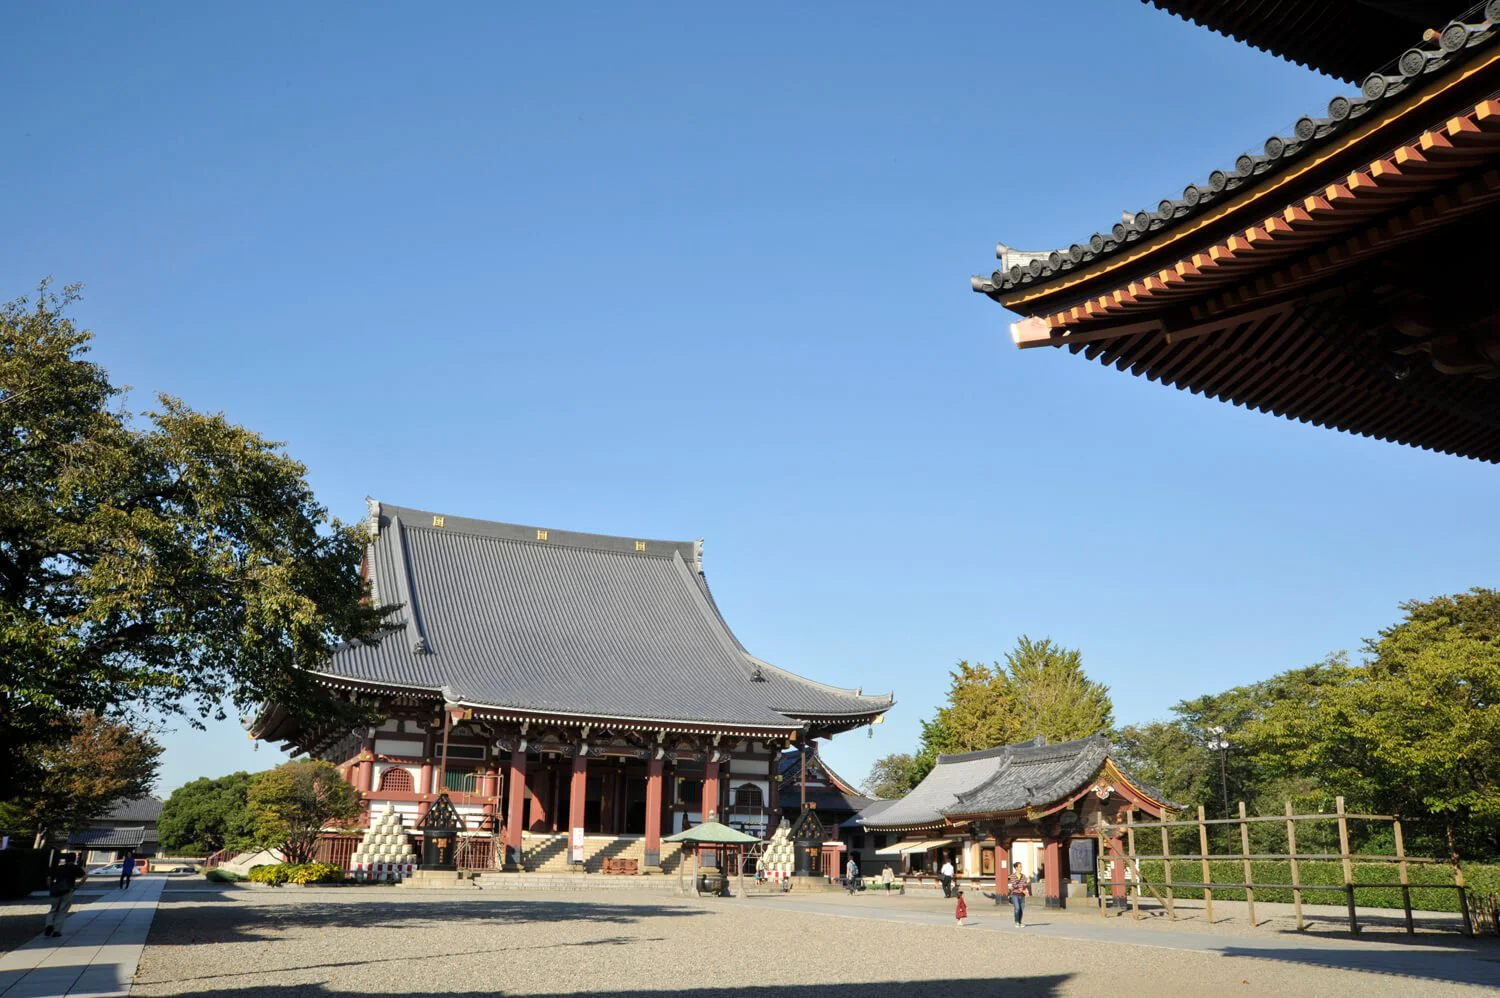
(107, 838)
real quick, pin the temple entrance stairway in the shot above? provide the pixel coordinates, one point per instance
(549, 853)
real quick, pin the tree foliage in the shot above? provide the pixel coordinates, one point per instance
(1040, 689)
(291, 804)
(893, 776)
(180, 564)
(101, 762)
(207, 815)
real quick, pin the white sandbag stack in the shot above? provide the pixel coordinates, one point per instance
(779, 859)
(385, 852)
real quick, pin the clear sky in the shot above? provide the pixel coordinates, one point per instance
(684, 270)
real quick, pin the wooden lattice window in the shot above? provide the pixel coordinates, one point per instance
(396, 779)
(748, 795)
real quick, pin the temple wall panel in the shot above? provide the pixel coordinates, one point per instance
(400, 746)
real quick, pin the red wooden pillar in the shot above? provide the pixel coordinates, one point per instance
(366, 778)
(653, 814)
(424, 789)
(516, 809)
(576, 791)
(1052, 859)
(710, 807)
(1002, 870)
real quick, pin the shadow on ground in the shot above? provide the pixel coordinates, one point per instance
(1028, 986)
(1391, 963)
(246, 917)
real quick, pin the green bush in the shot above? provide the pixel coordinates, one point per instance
(1481, 878)
(296, 873)
(315, 873)
(223, 876)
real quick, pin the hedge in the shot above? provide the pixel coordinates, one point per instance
(1481, 879)
(296, 873)
(223, 876)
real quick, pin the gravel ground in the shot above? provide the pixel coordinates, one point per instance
(382, 941)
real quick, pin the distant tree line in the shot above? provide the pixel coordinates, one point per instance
(1413, 729)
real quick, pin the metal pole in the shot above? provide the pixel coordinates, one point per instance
(1224, 789)
(802, 781)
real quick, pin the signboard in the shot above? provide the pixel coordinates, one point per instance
(575, 853)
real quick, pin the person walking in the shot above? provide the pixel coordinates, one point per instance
(127, 869)
(1020, 887)
(64, 879)
(961, 910)
(851, 876)
(946, 872)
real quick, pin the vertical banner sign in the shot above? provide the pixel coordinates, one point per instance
(576, 853)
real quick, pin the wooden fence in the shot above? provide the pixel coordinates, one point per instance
(1347, 859)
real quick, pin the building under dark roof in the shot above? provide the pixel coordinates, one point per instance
(562, 650)
(1327, 274)
(129, 824)
(990, 798)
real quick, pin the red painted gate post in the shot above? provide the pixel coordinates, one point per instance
(575, 799)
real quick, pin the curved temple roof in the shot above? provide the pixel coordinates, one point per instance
(1455, 44)
(1005, 779)
(498, 615)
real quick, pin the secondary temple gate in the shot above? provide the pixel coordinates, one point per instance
(578, 681)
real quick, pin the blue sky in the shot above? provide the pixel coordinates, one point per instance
(668, 270)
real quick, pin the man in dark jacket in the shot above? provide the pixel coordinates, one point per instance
(66, 875)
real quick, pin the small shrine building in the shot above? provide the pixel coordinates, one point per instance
(1333, 273)
(578, 681)
(975, 807)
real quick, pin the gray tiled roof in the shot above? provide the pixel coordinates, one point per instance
(939, 789)
(1007, 778)
(867, 814)
(1031, 774)
(108, 838)
(493, 615)
(132, 810)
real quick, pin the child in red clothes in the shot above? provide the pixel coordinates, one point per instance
(961, 912)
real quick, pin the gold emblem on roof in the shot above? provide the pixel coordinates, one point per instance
(541, 535)
(437, 521)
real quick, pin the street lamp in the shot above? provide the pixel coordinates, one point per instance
(1218, 743)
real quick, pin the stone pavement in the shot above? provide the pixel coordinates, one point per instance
(1423, 958)
(99, 949)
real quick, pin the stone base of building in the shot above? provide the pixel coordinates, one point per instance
(438, 879)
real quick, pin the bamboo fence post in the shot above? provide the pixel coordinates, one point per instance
(1347, 862)
(1166, 863)
(1458, 881)
(1245, 852)
(1130, 851)
(1405, 884)
(1291, 848)
(1208, 879)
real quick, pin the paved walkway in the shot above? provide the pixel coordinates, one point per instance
(98, 952)
(1429, 957)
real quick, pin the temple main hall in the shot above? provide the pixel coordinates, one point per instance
(579, 681)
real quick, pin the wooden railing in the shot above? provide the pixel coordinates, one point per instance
(1348, 860)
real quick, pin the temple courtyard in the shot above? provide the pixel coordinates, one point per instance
(367, 941)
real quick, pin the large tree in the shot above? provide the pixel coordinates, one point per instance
(101, 762)
(1040, 689)
(1416, 728)
(207, 815)
(179, 563)
(297, 800)
(893, 776)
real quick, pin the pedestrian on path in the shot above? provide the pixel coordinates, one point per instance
(65, 877)
(946, 872)
(961, 910)
(1020, 887)
(127, 869)
(851, 876)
